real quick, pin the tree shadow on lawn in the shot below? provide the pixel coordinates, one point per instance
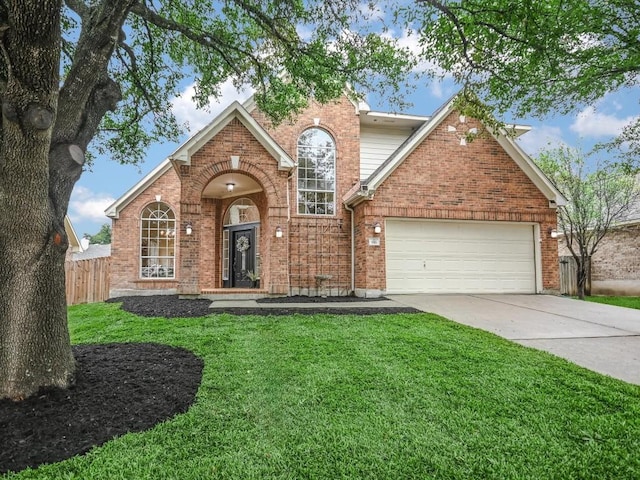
(119, 388)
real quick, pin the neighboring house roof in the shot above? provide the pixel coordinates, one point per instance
(370, 184)
(196, 142)
(93, 251)
(74, 241)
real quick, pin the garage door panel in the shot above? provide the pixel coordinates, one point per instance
(459, 257)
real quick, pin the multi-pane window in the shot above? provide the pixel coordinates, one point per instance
(316, 173)
(157, 241)
(241, 211)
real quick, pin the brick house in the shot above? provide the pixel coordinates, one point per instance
(615, 267)
(343, 200)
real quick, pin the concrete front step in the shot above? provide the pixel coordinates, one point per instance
(234, 294)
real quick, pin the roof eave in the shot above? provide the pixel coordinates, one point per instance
(387, 168)
(113, 210)
(234, 110)
(529, 167)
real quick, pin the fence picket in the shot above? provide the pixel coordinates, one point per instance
(87, 281)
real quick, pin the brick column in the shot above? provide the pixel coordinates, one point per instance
(190, 249)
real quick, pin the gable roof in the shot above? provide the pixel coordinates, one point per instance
(234, 111)
(183, 154)
(369, 185)
(74, 241)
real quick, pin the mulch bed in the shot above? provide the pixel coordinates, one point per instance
(119, 388)
(130, 387)
(169, 306)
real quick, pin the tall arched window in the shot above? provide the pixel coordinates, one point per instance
(158, 241)
(316, 173)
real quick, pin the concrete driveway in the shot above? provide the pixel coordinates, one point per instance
(603, 338)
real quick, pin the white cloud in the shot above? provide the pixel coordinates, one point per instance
(184, 107)
(86, 205)
(371, 12)
(411, 41)
(592, 123)
(541, 138)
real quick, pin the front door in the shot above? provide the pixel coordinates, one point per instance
(243, 257)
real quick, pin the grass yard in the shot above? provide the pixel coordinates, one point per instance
(408, 396)
(629, 302)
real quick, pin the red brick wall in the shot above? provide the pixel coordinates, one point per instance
(618, 255)
(332, 255)
(443, 180)
(125, 246)
(201, 253)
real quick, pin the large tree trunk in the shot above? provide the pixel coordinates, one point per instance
(35, 350)
(45, 134)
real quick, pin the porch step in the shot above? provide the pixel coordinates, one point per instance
(234, 294)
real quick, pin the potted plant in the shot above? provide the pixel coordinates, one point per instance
(254, 277)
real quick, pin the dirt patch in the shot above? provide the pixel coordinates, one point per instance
(119, 388)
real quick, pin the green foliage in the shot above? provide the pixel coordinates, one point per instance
(287, 51)
(597, 200)
(103, 237)
(382, 396)
(532, 57)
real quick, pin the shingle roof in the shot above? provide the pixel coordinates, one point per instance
(93, 251)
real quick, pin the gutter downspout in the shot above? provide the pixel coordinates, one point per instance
(353, 249)
(289, 177)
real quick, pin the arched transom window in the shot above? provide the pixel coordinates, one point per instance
(157, 241)
(316, 173)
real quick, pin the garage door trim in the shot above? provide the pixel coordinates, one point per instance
(535, 263)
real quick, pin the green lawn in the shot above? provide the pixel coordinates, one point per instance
(375, 397)
(629, 302)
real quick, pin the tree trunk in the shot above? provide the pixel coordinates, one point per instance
(583, 272)
(35, 350)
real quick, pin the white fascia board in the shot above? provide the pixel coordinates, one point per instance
(234, 110)
(517, 130)
(113, 211)
(399, 116)
(399, 156)
(529, 167)
(71, 232)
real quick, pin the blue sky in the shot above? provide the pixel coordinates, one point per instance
(107, 180)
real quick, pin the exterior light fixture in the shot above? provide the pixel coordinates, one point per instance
(377, 228)
(188, 229)
(230, 186)
(553, 233)
(278, 232)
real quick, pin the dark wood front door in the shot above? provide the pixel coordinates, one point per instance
(243, 257)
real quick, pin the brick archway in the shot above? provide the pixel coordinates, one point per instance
(202, 249)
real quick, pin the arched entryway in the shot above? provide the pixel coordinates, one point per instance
(241, 245)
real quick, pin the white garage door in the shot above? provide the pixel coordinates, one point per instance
(459, 257)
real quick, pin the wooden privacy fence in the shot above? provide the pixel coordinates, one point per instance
(87, 281)
(569, 276)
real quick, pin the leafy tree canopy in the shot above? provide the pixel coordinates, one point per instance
(530, 57)
(103, 237)
(286, 50)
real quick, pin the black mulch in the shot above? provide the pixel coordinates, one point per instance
(170, 306)
(119, 388)
(124, 388)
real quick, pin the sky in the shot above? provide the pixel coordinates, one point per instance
(107, 180)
